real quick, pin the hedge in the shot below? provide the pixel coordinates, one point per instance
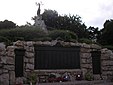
(24, 33)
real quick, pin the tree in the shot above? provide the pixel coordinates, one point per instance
(50, 17)
(106, 37)
(7, 24)
(72, 23)
(94, 33)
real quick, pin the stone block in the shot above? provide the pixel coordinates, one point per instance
(29, 43)
(10, 48)
(19, 80)
(3, 53)
(66, 44)
(111, 63)
(1, 65)
(19, 43)
(85, 55)
(86, 61)
(31, 60)
(1, 71)
(105, 56)
(5, 70)
(53, 42)
(47, 43)
(105, 63)
(10, 60)
(86, 66)
(10, 54)
(85, 50)
(26, 60)
(12, 77)
(106, 51)
(110, 68)
(29, 54)
(29, 66)
(4, 81)
(89, 61)
(85, 45)
(2, 46)
(5, 76)
(105, 68)
(111, 57)
(95, 46)
(4, 60)
(97, 77)
(107, 73)
(83, 61)
(72, 44)
(38, 43)
(28, 70)
(104, 78)
(29, 49)
(109, 52)
(9, 67)
(84, 71)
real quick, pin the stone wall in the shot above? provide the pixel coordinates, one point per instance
(7, 73)
(7, 61)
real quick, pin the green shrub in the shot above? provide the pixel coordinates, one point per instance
(88, 76)
(62, 35)
(5, 40)
(85, 40)
(24, 33)
(32, 77)
(42, 39)
(35, 33)
(110, 47)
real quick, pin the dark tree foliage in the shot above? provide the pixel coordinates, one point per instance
(72, 23)
(50, 17)
(63, 35)
(7, 24)
(106, 37)
(94, 33)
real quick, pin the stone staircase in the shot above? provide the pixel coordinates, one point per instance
(99, 82)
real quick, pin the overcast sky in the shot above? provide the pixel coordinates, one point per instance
(92, 12)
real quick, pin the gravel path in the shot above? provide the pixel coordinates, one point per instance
(79, 83)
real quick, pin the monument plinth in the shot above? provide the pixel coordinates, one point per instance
(38, 20)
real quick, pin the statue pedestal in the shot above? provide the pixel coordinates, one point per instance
(40, 23)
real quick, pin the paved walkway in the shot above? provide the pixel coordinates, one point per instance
(79, 83)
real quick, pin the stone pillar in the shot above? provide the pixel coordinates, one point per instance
(29, 58)
(5, 65)
(86, 59)
(107, 64)
(11, 64)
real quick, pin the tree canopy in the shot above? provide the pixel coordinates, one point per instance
(7, 24)
(93, 33)
(64, 22)
(106, 37)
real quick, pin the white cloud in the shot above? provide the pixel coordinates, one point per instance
(104, 12)
(93, 12)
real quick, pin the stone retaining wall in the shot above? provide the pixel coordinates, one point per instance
(7, 60)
